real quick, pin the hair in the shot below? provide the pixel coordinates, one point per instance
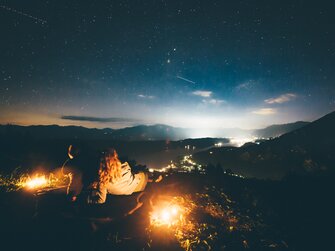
(110, 167)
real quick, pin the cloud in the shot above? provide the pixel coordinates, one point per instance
(207, 97)
(213, 101)
(265, 111)
(245, 85)
(98, 119)
(204, 94)
(145, 96)
(281, 99)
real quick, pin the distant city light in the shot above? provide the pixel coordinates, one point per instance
(241, 141)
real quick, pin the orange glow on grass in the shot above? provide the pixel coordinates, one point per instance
(37, 181)
(44, 182)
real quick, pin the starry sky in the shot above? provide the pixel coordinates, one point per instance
(194, 64)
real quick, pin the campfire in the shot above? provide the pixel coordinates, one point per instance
(171, 216)
(47, 182)
(166, 214)
(195, 221)
(37, 182)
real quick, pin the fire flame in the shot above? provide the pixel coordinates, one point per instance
(48, 182)
(36, 182)
(166, 214)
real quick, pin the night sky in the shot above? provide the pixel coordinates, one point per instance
(201, 64)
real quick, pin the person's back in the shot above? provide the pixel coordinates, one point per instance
(126, 184)
(115, 178)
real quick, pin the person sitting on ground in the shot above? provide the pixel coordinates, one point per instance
(116, 178)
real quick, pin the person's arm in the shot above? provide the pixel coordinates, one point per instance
(98, 196)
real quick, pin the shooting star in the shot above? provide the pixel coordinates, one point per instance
(185, 79)
(38, 20)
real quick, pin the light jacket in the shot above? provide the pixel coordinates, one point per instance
(125, 185)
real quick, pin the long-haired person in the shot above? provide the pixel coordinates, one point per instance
(116, 178)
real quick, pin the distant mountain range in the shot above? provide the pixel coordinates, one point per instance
(142, 132)
(153, 132)
(53, 132)
(278, 130)
(304, 148)
(138, 133)
(308, 149)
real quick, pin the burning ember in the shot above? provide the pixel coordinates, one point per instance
(38, 182)
(167, 215)
(172, 215)
(42, 182)
(196, 221)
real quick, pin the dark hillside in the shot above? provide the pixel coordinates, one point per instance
(306, 150)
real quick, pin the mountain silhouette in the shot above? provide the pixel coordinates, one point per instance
(307, 150)
(138, 133)
(142, 132)
(153, 132)
(278, 130)
(53, 132)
